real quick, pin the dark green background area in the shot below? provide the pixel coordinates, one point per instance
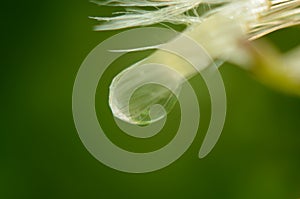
(41, 156)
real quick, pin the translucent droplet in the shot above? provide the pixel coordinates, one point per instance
(136, 90)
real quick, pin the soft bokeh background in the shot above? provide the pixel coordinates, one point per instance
(41, 156)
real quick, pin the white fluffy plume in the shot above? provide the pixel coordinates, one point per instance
(173, 11)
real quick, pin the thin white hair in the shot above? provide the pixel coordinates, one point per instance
(173, 11)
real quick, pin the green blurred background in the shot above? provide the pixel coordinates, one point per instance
(43, 45)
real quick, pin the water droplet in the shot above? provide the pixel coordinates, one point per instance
(135, 91)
